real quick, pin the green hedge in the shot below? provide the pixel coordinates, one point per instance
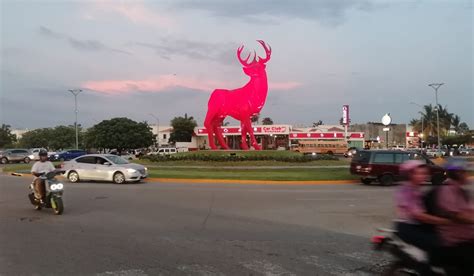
(223, 156)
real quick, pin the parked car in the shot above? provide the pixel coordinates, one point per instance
(466, 151)
(15, 155)
(67, 155)
(35, 153)
(104, 167)
(435, 153)
(384, 165)
(164, 151)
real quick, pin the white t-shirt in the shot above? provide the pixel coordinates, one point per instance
(42, 167)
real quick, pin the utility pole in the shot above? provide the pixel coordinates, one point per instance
(157, 129)
(436, 86)
(76, 92)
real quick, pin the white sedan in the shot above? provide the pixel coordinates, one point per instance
(104, 167)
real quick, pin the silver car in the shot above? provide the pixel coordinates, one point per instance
(104, 167)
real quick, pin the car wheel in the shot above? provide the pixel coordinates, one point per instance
(386, 180)
(4, 160)
(119, 178)
(366, 181)
(26, 160)
(73, 177)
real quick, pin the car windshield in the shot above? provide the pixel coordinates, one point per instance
(362, 157)
(117, 159)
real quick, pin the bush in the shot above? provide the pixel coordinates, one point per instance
(236, 156)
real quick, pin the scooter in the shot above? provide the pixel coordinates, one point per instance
(54, 194)
(409, 259)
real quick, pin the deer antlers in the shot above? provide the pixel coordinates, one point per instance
(268, 52)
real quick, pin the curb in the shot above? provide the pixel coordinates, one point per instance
(252, 182)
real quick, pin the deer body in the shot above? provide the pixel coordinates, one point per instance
(241, 103)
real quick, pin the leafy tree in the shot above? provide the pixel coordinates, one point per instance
(6, 136)
(37, 138)
(60, 137)
(320, 122)
(183, 128)
(255, 118)
(120, 134)
(63, 137)
(463, 128)
(267, 121)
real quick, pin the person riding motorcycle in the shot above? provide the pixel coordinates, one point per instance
(41, 167)
(413, 218)
(455, 202)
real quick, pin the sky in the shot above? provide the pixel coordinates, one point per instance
(160, 59)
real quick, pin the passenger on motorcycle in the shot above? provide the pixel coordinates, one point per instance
(455, 202)
(413, 219)
(41, 167)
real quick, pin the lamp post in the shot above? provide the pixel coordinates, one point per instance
(436, 86)
(76, 92)
(422, 120)
(157, 128)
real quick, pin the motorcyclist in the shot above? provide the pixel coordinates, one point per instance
(41, 167)
(411, 211)
(455, 202)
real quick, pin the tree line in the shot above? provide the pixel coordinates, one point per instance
(448, 123)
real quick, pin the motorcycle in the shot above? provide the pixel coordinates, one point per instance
(55, 190)
(409, 259)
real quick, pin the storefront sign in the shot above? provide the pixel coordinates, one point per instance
(345, 115)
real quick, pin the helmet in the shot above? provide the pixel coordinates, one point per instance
(43, 153)
(456, 164)
(409, 165)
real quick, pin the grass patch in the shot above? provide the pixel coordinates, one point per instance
(296, 174)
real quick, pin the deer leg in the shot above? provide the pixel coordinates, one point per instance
(243, 131)
(220, 136)
(208, 123)
(253, 141)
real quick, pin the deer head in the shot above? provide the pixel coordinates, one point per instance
(255, 67)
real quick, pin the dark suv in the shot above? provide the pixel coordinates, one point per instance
(384, 165)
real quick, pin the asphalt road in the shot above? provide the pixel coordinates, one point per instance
(194, 229)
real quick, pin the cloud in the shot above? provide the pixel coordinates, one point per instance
(82, 45)
(328, 12)
(168, 47)
(166, 82)
(135, 11)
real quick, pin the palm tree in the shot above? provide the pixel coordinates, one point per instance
(455, 122)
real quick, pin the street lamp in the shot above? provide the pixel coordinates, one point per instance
(76, 92)
(157, 128)
(422, 119)
(436, 86)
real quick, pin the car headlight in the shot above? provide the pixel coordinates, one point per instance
(146, 169)
(31, 156)
(131, 170)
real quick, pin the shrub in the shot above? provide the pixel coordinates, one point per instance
(236, 156)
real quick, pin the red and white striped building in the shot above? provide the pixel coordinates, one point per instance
(281, 136)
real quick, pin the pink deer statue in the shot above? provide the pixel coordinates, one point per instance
(241, 103)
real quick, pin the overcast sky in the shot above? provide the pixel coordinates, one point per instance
(136, 58)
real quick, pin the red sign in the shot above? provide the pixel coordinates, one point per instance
(274, 129)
